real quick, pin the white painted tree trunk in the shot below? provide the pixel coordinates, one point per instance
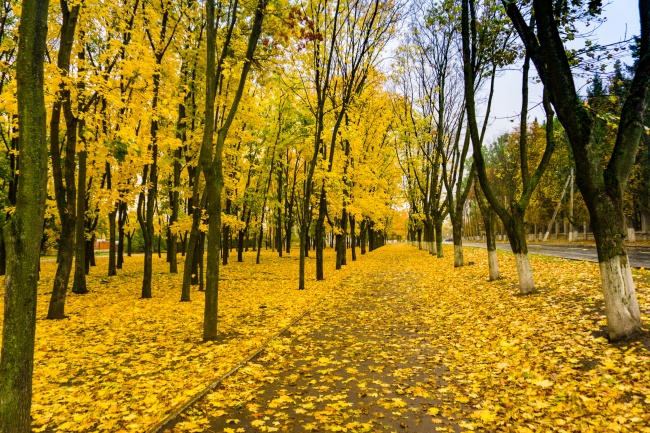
(458, 256)
(621, 306)
(525, 273)
(493, 264)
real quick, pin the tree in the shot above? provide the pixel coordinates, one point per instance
(489, 218)
(418, 153)
(23, 231)
(168, 19)
(63, 174)
(513, 220)
(212, 166)
(602, 181)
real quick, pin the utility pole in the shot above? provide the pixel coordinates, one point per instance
(559, 203)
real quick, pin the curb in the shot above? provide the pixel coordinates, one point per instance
(159, 426)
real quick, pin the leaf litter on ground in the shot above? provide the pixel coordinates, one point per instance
(408, 343)
(402, 342)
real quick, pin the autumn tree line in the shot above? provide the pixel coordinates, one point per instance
(203, 126)
(556, 206)
(443, 84)
(206, 127)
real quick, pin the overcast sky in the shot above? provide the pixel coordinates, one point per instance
(621, 22)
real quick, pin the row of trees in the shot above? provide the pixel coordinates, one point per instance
(128, 113)
(445, 83)
(209, 124)
(196, 124)
(553, 197)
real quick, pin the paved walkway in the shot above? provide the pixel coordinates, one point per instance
(362, 361)
(408, 343)
(639, 255)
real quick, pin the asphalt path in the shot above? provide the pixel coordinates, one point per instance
(639, 256)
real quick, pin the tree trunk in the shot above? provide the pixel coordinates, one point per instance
(225, 250)
(121, 220)
(457, 229)
(320, 235)
(344, 235)
(488, 221)
(24, 230)
(63, 174)
(112, 262)
(3, 250)
(438, 227)
(517, 237)
(260, 239)
(147, 198)
(303, 252)
(172, 244)
(339, 250)
(193, 255)
(90, 254)
(79, 283)
(288, 240)
(201, 274)
(61, 278)
(212, 168)
(279, 223)
(188, 268)
(621, 305)
(129, 244)
(288, 226)
(353, 238)
(196, 260)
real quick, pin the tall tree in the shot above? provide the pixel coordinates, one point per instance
(23, 231)
(601, 181)
(212, 165)
(321, 33)
(63, 173)
(512, 219)
(169, 19)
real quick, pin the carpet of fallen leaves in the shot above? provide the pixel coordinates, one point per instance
(397, 341)
(408, 343)
(119, 363)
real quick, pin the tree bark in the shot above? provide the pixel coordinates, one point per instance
(112, 262)
(24, 230)
(353, 238)
(488, 222)
(63, 174)
(192, 257)
(212, 167)
(319, 234)
(79, 283)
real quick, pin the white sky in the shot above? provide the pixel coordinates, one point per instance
(622, 22)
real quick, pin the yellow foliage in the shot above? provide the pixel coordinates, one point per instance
(121, 362)
(407, 340)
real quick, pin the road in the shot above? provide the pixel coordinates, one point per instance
(639, 256)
